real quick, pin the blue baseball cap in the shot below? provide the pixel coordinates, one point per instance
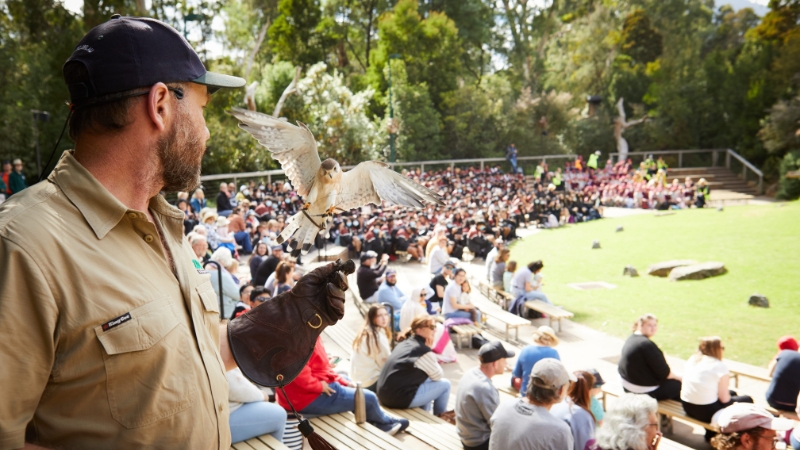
(126, 53)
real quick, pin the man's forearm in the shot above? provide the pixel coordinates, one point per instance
(225, 348)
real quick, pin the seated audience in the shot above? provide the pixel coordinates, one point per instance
(597, 389)
(544, 339)
(642, 365)
(251, 413)
(783, 390)
(199, 245)
(414, 306)
(477, 398)
(527, 283)
(439, 256)
(371, 348)
(745, 426)
(438, 285)
(225, 237)
(705, 386)
(284, 278)
(261, 252)
(318, 391)
(497, 245)
(453, 306)
(630, 424)
(499, 268)
(239, 229)
(526, 423)
(369, 278)
(511, 267)
(576, 411)
(268, 266)
(390, 293)
(244, 301)
(412, 378)
(230, 285)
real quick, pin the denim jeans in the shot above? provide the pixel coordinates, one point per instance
(463, 314)
(243, 238)
(795, 443)
(532, 295)
(437, 392)
(344, 399)
(257, 418)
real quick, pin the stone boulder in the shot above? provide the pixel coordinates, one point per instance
(595, 244)
(630, 271)
(697, 271)
(619, 229)
(758, 300)
(663, 269)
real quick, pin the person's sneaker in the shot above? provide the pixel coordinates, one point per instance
(389, 428)
(404, 424)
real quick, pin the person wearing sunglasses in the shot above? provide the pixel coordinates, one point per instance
(412, 377)
(745, 426)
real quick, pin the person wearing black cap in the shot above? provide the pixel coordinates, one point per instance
(122, 346)
(368, 278)
(477, 398)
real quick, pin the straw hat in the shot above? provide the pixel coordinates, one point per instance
(222, 221)
(546, 336)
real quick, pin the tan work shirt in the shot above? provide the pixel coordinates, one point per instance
(102, 345)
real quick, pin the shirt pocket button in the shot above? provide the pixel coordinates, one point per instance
(148, 238)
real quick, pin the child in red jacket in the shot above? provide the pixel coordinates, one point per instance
(318, 391)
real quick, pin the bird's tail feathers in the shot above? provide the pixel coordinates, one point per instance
(302, 232)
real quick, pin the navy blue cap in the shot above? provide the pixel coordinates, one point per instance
(131, 52)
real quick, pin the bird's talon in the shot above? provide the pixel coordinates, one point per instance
(306, 206)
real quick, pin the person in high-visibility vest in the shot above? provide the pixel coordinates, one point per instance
(592, 163)
(702, 194)
(660, 164)
(557, 179)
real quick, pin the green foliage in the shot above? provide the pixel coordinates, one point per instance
(419, 134)
(789, 188)
(301, 34)
(639, 40)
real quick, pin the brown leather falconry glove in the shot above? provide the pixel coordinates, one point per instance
(273, 342)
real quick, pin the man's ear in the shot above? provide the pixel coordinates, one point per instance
(159, 107)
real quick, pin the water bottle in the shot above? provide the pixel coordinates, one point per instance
(361, 404)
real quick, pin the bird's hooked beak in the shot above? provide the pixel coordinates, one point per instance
(330, 175)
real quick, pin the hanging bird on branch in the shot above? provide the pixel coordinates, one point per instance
(322, 184)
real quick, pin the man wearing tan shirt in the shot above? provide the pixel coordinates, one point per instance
(111, 330)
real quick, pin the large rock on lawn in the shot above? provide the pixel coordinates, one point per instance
(663, 269)
(758, 300)
(697, 271)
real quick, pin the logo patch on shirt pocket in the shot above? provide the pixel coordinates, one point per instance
(118, 321)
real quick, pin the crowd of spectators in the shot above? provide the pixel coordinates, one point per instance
(12, 179)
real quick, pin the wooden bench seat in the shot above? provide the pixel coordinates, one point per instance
(343, 336)
(352, 290)
(429, 429)
(263, 442)
(463, 331)
(554, 313)
(341, 431)
(499, 297)
(739, 369)
(669, 408)
(494, 311)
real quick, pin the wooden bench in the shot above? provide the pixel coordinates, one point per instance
(669, 408)
(429, 429)
(263, 442)
(739, 369)
(352, 289)
(341, 431)
(463, 331)
(342, 336)
(499, 297)
(553, 313)
(509, 320)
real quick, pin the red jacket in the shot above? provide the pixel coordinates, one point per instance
(308, 384)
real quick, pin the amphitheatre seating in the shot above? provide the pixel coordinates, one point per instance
(493, 310)
(500, 297)
(429, 429)
(463, 331)
(341, 431)
(746, 370)
(402, 257)
(263, 442)
(554, 313)
(669, 408)
(342, 336)
(352, 288)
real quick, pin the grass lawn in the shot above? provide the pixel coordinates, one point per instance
(760, 246)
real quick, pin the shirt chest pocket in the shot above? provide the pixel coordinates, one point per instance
(148, 361)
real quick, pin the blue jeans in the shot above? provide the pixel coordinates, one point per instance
(437, 392)
(343, 399)
(462, 314)
(795, 443)
(257, 418)
(532, 295)
(243, 238)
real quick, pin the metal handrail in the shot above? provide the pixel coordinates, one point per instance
(745, 165)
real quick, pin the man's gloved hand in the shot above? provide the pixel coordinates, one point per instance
(273, 342)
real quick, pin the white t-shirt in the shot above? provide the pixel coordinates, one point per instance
(523, 275)
(452, 290)
(701, 380)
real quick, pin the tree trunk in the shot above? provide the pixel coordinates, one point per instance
(290, 89)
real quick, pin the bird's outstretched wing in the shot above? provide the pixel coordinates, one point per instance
(293, 146)
(373, 181)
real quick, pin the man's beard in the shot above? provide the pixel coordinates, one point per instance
(391, 283)
(177, 153)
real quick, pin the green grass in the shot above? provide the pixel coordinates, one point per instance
(760, 246)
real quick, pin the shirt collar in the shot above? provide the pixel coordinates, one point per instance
(98, 206)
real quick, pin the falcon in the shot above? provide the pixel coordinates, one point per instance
(323, 185)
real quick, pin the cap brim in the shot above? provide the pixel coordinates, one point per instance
(509, 353)
(780, 424)
(216, 81)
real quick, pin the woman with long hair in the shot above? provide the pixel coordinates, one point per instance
(284, 279)
(452, 306)
(371, 348)
(259, 255)
(705, 387)
(576, 410)
(499, 267)
(411, 377)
